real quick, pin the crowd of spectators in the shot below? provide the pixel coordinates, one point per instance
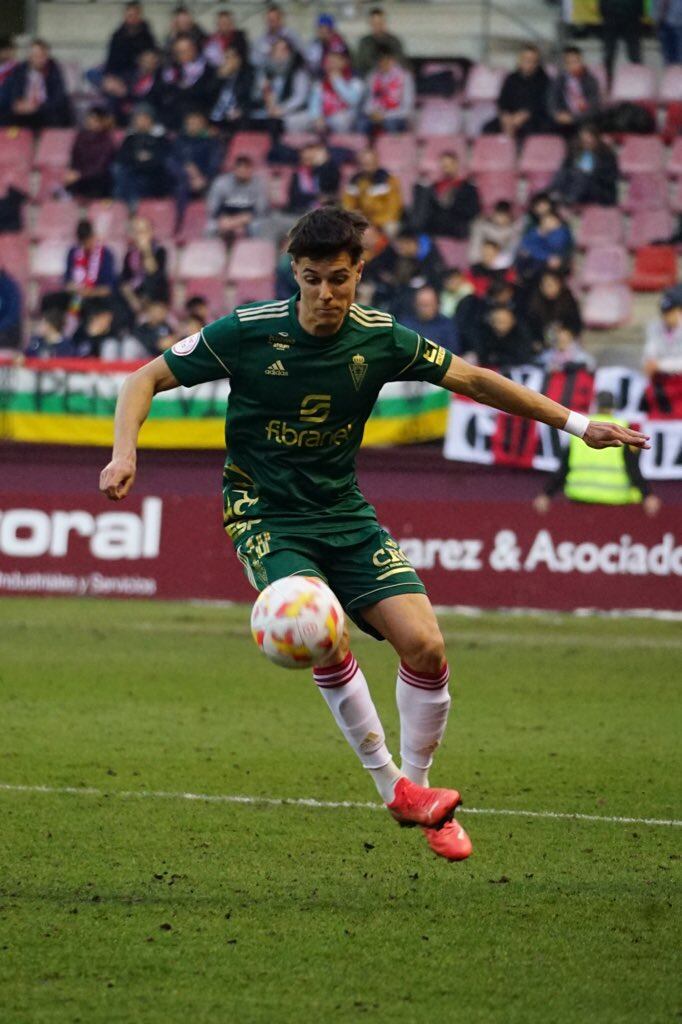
(159, 123)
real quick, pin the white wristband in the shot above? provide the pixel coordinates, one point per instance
(577, 424)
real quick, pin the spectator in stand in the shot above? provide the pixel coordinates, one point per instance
(550, 302)
(234, 88)
(155, 331)
(427, 320)
(565, 351)
(189, 82)
(92, 154)
(34, 95)
(327, 41)
(455, 289)
(336, 97)
(226, 36)
(667, 15)
(497, 226)
(472, 313)
(10, 311)
(95, 336)
(390, 95)
(90, 272)
(195, 157)
(621, 19)
(275, 29)
(406, 265)
(547, 245)
(449, 205)
(196, 307)
(8, 60)
(315, 181)
(50, 340)
(141, 167)
(503, 341)
(574, 94)
(236, 201)
(183, 24)
(144, 278)
(378, 41)
(489, 269)
(522, 103)
(130, 39)
(284, 89)
(614, 479)
(663, 345)
(589, 174)
(145, 86)
(375, 193)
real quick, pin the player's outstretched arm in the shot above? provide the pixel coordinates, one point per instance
(132, 409)
(491, 388)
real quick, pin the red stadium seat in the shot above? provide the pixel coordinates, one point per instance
(348, 140)
(397, 153)
(483, 84)
(649, 226)
(655, 268)
(675, 160)
(641, 154)
(476, 118)
(599, 72)
(255, 289)
(279, 182)
(633, 83)
(50, 183)
(676, 200)
(210, 288)
(434, 146)
(607, 305)
(56, 220)
(252, 259)
(600, 225)
(673, 123)
(495, 185)
(109, 219)
(605, 264)
(14, 255)
(646, 192)
(454, 252)
(670, 88)
(54, 148)
(193, 225)
(161, 214)
(297, 140)
(492, 153)
(203, 258)
(439, 117)
(257, 145)
(16, 147)
(541, 157)
(48, 259)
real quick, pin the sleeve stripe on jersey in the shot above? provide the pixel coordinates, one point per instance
(414, 357)
(216, 357)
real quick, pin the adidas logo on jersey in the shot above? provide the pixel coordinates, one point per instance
(277, 369)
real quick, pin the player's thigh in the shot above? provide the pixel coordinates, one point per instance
(409, 623)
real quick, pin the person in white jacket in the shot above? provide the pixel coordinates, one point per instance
(663, 345)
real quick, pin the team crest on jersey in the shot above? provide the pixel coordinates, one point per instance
(281, 341)
(358, 370)
(187, 345)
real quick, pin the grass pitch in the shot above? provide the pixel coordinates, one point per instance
(119, 909)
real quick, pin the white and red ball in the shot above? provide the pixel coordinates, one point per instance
(297, 621)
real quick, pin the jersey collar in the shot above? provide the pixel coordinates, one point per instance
(301, 335)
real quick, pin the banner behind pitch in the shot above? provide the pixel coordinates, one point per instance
(487, 554)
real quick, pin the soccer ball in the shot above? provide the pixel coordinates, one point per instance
(297, 621)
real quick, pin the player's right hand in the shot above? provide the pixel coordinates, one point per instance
(117, 478)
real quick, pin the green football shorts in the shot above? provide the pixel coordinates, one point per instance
(361, 566)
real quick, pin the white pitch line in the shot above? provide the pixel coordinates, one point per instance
(226, 798)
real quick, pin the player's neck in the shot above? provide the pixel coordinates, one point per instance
(311, 325)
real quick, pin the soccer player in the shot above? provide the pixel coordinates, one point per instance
(304, 375)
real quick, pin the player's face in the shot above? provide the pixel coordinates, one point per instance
(327, 290)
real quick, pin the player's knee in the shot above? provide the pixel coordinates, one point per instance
(339, 654)
(425, 651)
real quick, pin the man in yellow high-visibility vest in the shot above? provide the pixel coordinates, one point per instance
(608, 477)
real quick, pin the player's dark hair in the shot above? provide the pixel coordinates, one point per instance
(326, 232)
(573, 49)
(375, 11)
(84, 230)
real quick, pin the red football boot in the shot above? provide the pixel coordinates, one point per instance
(450, 841)
(422, 805)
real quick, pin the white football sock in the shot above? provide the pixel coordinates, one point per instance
(423, 703)
(345, 690)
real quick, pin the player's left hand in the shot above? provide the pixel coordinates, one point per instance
(611, 435)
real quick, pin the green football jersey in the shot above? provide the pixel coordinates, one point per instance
(298, 406)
